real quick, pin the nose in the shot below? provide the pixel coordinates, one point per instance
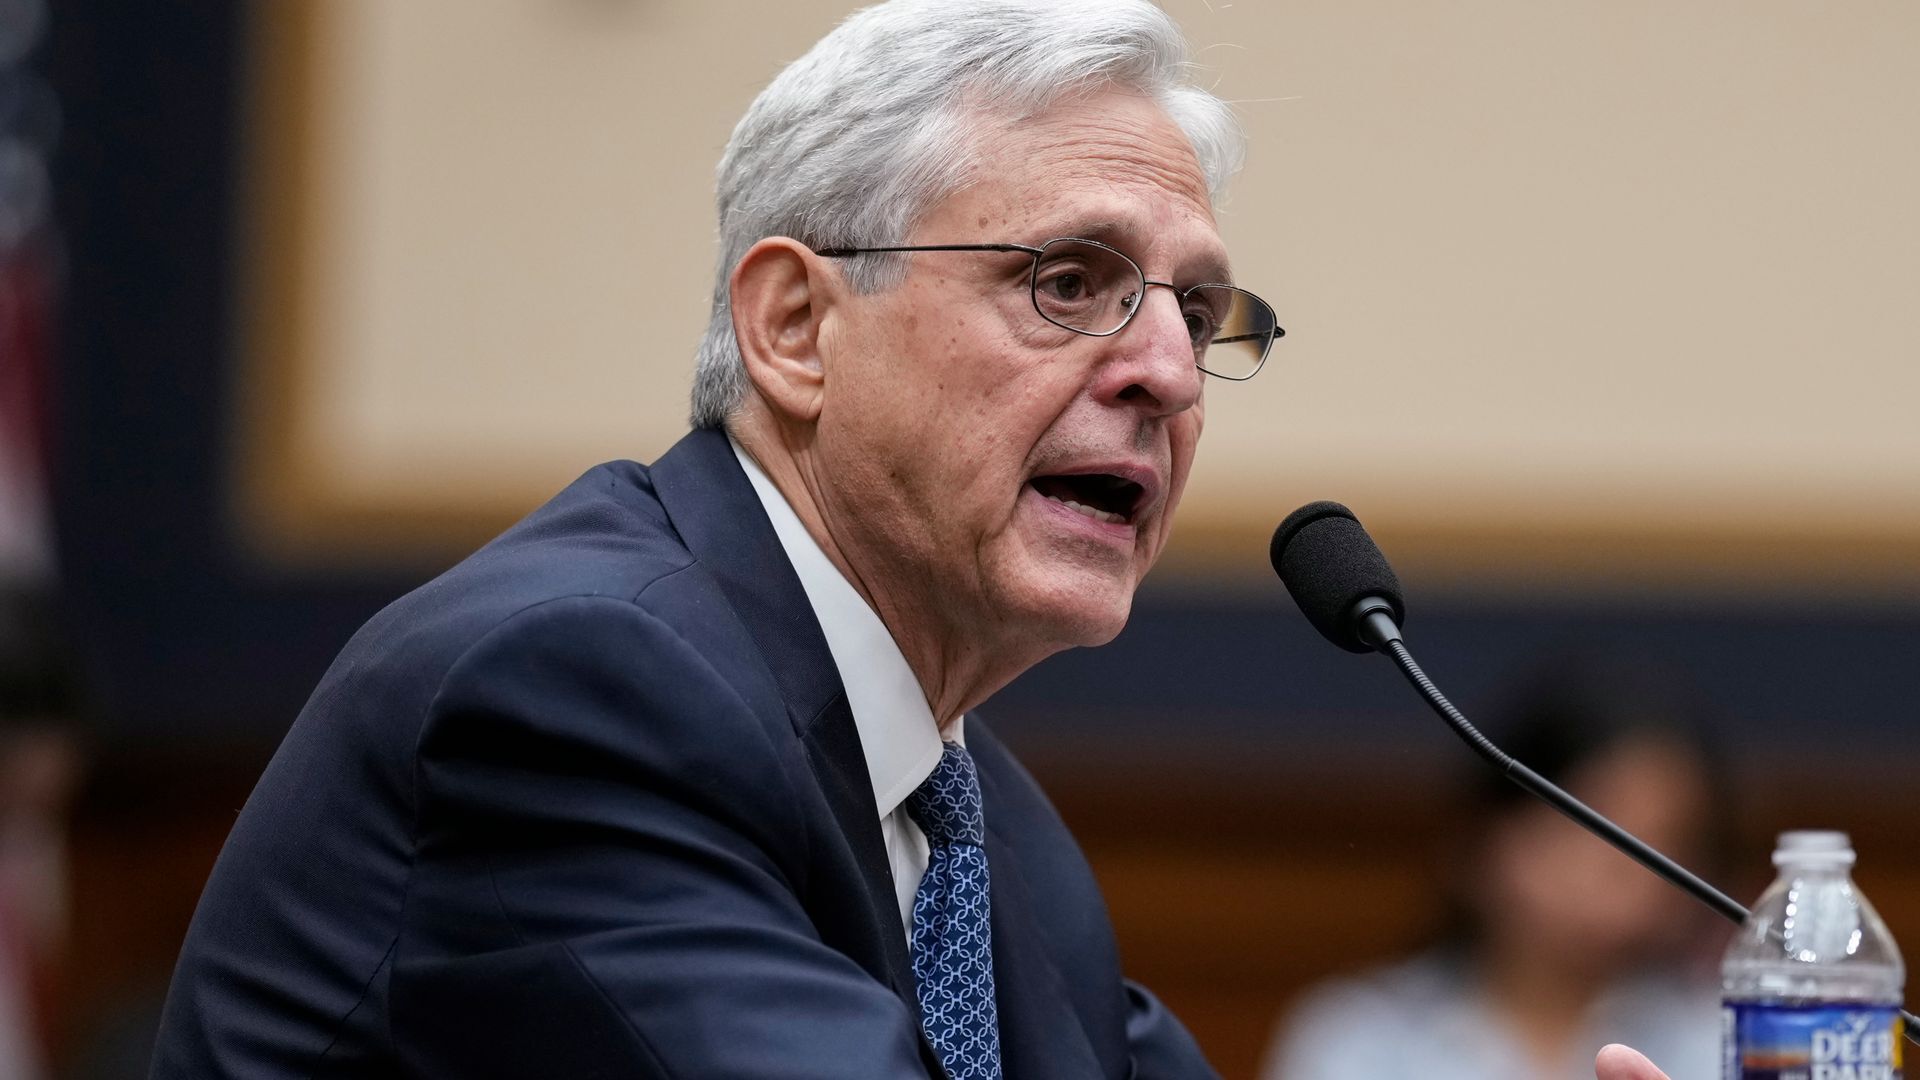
(1152, 366)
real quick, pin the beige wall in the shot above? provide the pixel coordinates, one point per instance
(1622, 289)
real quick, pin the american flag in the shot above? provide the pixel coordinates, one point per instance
(26, 123)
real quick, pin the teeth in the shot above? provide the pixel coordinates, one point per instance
(1093, 512)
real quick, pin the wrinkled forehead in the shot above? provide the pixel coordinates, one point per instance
(1107, 165)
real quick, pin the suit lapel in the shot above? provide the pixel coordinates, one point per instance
(1040, 1034)
(718, 516)
(834, 749)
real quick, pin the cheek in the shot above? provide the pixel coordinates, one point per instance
(960, 423)
(1191, 423)
(1183, 444)
(1001, 401)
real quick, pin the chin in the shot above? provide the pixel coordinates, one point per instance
(1079, 610)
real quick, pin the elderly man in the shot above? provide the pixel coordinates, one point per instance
(677, 777)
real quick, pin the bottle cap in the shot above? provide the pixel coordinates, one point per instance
(1813, 846)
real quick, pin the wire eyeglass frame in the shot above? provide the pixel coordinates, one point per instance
(1235, 296)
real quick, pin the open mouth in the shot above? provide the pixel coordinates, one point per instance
(1100, 496)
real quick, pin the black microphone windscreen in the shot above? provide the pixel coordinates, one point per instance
(1329, 564)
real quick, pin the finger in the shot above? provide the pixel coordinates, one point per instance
(1618, 1062)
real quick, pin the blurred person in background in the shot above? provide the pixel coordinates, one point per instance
(1553, 942)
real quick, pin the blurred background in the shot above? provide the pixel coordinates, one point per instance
(1600, 314)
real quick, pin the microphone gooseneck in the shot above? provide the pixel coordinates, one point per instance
(1588, 818)
(1343, 584)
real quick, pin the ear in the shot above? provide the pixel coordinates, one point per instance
(779, 292)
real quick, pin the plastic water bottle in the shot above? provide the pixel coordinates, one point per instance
(1811, 986)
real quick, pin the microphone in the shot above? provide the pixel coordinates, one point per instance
(1338, 576)
(1342, 582)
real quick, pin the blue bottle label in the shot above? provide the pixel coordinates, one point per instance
(1811, 1042)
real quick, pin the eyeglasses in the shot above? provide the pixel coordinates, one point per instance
(1090, 288)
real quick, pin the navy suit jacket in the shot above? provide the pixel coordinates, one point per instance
(592, 804)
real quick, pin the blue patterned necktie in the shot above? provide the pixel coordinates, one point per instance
(952, 942)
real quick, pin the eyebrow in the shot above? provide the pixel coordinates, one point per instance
(1115, 234)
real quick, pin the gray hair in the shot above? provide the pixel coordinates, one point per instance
(857, 139)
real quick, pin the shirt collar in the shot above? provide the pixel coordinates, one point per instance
(898, 733)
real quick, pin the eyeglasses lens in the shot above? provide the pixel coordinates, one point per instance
(1094, 289)
(1246, 328)
(1085, 287)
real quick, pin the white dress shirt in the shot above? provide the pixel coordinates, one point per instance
(898, 733)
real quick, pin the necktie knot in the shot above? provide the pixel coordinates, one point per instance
(946, 805)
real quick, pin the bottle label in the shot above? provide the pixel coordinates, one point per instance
(1811, 1042)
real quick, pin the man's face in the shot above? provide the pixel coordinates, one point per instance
(958, 424)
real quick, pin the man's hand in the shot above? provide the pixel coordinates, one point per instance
(1618, 1062)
